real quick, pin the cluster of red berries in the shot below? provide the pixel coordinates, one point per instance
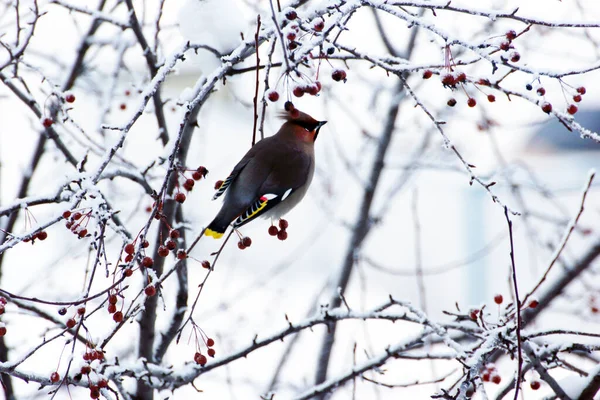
(200, 358)
(280, 232)
(129, 250)
(77, 222)
(71, 322)
(113, 300)
(571, 108)
(2, 310)
(490, 374)
(244, 242)
(93, 354)
(453, 79)
(189, 183)
(507, 45)
(171, 245)
(41, 235)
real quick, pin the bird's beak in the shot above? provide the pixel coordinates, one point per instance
(319, 125)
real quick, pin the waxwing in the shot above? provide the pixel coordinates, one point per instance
(272, 177)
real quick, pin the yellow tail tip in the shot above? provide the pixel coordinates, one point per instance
(210, 232)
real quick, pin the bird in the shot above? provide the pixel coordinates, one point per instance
(273, 176)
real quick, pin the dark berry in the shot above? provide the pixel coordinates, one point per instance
(283, 224)
(318, 25)
(211, 352)
(338, 75)
(42, 235)
(498, 299)
(247, 241)
(206, 264)
(491, 98)
(511, 35)
(70, 323)
(449, 80)
(113, 299)
(196, 175)
(70, 98)
(528, 86)
(171, 245)
(535, 385)
(288, 106)
(111, 308)
(273, 230)
(282, 235)
(581, 90)
(462, 77)
(451, 102)
(496, 379)
(174, 234)
(200, 359)
(62, 311)
(181, 254)
(533, 303)
(541, 91)
(291, 15)
(210, 342)
(572, 109)
(577, 98)
(471, 102)
(145, 244)
(427, 74)
(505, 46)
(47, 122)
(81, 310)
(54, 377)
(515, 57)
(128, 272)
(218, 184)
(66, 214)
(189, 184)
(241, 245)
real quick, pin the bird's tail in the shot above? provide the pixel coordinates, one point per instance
(216, 228)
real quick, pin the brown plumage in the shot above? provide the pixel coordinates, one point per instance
(272, 177)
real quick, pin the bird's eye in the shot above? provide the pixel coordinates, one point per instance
(307, 130)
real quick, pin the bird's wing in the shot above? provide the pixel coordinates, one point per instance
(290, 176)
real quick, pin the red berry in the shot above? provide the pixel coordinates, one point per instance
(273, 230)
(81, 310)
(127, 92)
(338, 75)
(86, 369)
(535, 385)
(462, 77)
(76, 216)
(449, 80)
(318, 25)
(427, 74)
(577, 98)
(2, 331)
(70, 98)
(180, 197)
(241, 245)
(66, 214)
(218, 184)
(572, 109)
(318, 85)
(147, 262)
(471, 102)
(42, 235)
(484, 82)
(112, 308)
(205, 264)
(283, 224)
(474, 314)
(128, 272)
(200, 359)
(547, 108)
(504, 46)
(211, 352)
(210, 342)
(150, 290)
(162, 251)
(94, 393)
(533, 303)
(86, 356)
(82, 233)
(189, 185)
(541, 91)
(102, 383)
(123, 106)
(47, 122)
(181, 254)
(282, 235)
(290, 36)
(451, 102)
(145, 244)
(491, 98)
(485, 376)
(511, 35)
(129, 258)
(298, 91)
(496, 379)
(313, 90)
(2, 309)
(247, 241)
(118, 316)
(498, 299)
(291, 15)
(129, 248)
(581, 90)
(515, 57)
(3, 300)
(174, 234)
(171, 245)
(273, 96)
(54, 377)
(288, 106)
(71, 323)
(196, 175)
